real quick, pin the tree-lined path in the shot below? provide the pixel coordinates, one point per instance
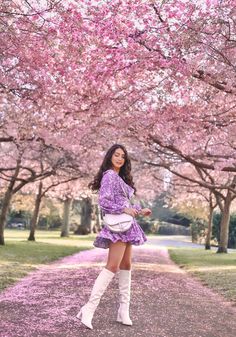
(165, 301)
(155, 76)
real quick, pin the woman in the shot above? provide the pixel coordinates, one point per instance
(115, 185)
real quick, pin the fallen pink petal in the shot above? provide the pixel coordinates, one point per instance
(165, 301)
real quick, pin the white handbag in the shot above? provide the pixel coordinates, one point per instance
(118, 223)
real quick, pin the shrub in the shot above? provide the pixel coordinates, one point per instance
(198, 230)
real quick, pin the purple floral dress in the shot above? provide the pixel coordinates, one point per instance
(113, 199)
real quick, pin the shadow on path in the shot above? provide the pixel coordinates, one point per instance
(165, 301)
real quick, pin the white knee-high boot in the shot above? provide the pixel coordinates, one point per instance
(101, 283)
(124, 288)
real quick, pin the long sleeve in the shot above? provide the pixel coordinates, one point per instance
(137, 207)
(111, 199)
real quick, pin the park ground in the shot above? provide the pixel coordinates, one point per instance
(166, 300)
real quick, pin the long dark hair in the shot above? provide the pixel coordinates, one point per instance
(124, 173)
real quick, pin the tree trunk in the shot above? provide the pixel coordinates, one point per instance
(34, 220)
(66, 218)
(209, 229)
(6, 203)
(97, 225)
(86, 217)
(224, 225)
(3, 216)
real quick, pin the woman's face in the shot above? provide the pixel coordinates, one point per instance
(118, 159)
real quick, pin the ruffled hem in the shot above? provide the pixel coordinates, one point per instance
(135, 235)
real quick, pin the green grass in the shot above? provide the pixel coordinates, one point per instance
(218, 271)
(18, 257)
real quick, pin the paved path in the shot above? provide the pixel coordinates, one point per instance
(178, 241)
(166, 302)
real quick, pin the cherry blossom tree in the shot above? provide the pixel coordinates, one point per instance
(152, 72)
(69, 173)
(31, 162)
(185, 194)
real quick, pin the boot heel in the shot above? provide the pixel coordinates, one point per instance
(124, 318)
(79, 314)
(86, 320)
(119, 318)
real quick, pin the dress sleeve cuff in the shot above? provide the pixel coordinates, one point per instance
(137, 207)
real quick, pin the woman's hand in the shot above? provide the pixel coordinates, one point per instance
(145, 212)
(131, 211)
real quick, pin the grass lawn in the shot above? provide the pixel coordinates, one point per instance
(18, 257)
(218, 271)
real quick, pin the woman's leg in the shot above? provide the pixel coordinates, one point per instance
(125, 286)
(115, 255)
(127, 258)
